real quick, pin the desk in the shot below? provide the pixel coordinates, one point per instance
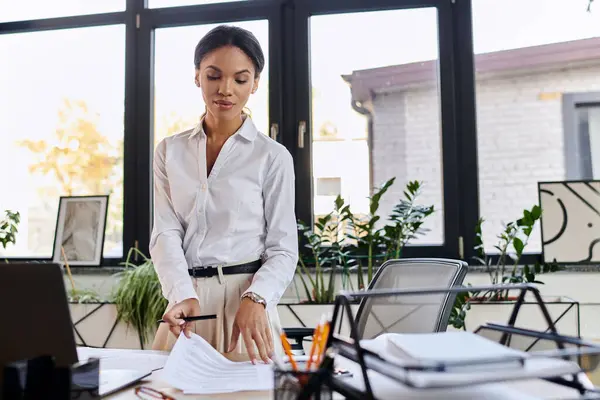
(522, 390)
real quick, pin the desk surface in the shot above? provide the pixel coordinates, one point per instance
(521, 390)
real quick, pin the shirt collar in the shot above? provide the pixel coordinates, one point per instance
(247, 130)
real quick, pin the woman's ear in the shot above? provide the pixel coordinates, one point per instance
(255, 84)
(197, 78)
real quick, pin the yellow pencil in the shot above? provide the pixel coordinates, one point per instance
(323, 342)
(313, 347)
(288, 351)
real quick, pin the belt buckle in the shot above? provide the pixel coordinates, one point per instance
(202, 269)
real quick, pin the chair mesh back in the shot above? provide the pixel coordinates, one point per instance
(410, 314)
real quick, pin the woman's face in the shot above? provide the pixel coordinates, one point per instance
(227, 77)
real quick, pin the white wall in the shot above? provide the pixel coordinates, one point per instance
(580, 286)
(520, 142)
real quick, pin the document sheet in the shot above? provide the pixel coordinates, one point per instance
(143, 360)
(195, 367)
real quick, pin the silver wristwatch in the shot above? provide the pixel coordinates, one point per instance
(255, 298)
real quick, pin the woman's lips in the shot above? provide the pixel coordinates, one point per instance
(224, 105)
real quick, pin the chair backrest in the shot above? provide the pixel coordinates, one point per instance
(410, 314)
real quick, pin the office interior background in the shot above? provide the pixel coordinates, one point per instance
(480, 100)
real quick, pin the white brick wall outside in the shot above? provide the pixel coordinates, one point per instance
(520, 142)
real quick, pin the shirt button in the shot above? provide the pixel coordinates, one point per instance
(204, 186)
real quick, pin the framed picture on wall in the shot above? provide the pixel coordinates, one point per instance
(80, 228)
(570, 222)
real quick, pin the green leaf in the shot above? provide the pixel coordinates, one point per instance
(519, 246)
(536, 212)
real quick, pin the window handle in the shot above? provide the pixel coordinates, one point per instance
(274, 130)
(301, 133)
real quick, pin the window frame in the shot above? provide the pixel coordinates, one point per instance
(289, 82)
(575, 164)
(452, 76)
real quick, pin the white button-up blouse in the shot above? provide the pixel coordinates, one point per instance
(243, 211)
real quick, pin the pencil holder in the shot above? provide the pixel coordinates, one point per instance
(293, 385)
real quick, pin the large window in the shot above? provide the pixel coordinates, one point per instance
(17, 10)
(178, 102)
(61, 129)
(376, 109)
(527, 56)
(88, 88)
(179, 3)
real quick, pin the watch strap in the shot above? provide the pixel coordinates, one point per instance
(255, 298)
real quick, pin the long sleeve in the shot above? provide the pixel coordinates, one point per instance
(167, 237)
(281, 243)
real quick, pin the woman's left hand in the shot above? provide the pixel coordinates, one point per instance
(251, 322)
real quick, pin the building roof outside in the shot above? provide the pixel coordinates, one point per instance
(397, 77)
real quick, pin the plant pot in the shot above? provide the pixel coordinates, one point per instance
(481, 299)
(96, 325)
(295, 315)
(564, 313)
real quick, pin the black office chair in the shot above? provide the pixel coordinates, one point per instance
(402, 314)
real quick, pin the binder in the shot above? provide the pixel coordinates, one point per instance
(545, 346)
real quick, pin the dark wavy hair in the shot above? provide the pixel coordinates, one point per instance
(226, 35)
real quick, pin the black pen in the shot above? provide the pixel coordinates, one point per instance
(198, 318)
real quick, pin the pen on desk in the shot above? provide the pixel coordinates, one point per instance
(196, 318)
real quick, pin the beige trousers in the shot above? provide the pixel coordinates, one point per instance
(220, 296)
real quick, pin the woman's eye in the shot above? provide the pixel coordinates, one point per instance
(212, 78)
(241, 82)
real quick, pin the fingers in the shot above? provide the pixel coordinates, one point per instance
(235, 335)
(269, 341)
(173, 317)
(187, 329)
(263, 351)
(247, 336)
(175, 330)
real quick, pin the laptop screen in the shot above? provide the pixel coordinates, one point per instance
(35, 312)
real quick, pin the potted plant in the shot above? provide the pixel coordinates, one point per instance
(129, 318)
(138, 297)
(504, 268)
(342, 245)
(9, 227)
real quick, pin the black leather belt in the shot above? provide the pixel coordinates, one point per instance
(208, 271)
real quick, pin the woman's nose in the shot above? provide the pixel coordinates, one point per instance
(225, 88)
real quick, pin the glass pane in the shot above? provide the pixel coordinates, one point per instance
(178, 3)
(589, 127)
(19, 10)
(376, 110)
(178, 103)
(526, 58)
(61, 129)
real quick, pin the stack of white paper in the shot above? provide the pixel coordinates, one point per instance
(144, 360)
(195, 367)
(415, 349)
(447, 347)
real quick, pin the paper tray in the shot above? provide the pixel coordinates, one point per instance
(561, 364)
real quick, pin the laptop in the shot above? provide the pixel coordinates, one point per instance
(37, 321)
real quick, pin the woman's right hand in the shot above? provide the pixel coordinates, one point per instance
(187, 308)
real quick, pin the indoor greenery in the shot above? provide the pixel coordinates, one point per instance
(9, 227)
(505, 267)
(138, 296)
(344, 241)
(81, 296)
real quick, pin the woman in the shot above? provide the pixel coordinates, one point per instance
(224, 239)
